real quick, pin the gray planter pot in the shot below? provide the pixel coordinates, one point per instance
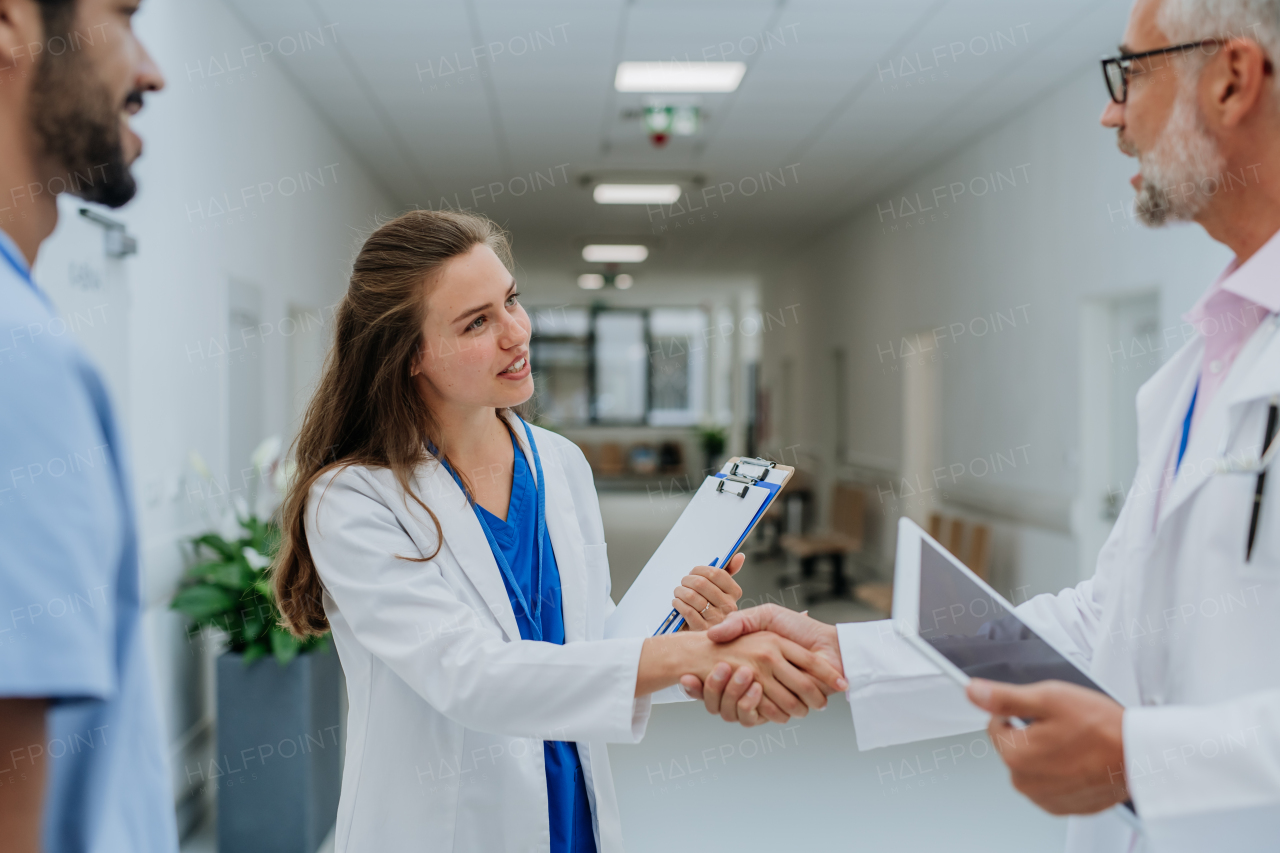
(278, 753)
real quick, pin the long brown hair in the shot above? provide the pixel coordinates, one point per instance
(366, 410)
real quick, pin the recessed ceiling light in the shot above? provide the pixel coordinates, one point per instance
(636, 193)
(591, 281)
(709, 77)
(623, 281)
(604, 253)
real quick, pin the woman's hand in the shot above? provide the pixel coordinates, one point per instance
(739, 700)
(789, 679)
(708, 595)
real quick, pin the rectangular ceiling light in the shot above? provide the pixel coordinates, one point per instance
(636, 193)
(691, 77)
(603, 253)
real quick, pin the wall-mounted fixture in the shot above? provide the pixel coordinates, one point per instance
(664, 121)
(116, 241)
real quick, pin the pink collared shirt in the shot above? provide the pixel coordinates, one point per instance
(1225, 317)
(1230, 312)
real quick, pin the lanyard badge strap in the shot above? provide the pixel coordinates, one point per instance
(534, 614)
(540, 526)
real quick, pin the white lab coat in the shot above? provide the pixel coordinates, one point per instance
(1174, 622)
(448, 706)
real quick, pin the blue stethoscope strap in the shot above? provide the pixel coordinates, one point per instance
(1186, 428)
(540, 526)
(534, 614)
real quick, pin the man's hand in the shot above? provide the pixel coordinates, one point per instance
(790, 678)
(1070, 760)
(739, 700)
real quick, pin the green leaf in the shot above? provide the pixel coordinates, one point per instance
(204, 571)
(204, 602)
(264, 587)
(254, 626)
(312, 645)
(234, 575)
(284, 645)
(254, 652)
(218, 545)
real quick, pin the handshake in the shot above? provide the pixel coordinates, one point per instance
(802, 666)
(765, 664)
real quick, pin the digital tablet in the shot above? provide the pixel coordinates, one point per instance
(956, 620)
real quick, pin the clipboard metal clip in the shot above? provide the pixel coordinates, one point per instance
(740, 485)
(763, 466)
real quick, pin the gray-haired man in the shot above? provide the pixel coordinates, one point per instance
(1179, 619)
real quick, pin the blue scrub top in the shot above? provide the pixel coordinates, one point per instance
(570, 811)
(71, 598)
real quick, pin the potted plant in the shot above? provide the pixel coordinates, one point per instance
(712, 439)
(278, 767)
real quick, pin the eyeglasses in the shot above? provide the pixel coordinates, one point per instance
(1117, 69)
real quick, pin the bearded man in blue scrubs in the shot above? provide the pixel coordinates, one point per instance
(82, 757)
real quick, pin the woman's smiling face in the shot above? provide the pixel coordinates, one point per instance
(475, 336)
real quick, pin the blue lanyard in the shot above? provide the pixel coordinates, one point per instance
(1186, 427)
(19, 268)
(534, 615)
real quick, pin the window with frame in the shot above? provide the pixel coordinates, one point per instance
(620, 366)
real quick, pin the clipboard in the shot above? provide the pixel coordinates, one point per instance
(722, 514)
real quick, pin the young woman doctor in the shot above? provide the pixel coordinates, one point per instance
(458, 555)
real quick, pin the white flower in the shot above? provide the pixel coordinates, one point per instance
(256, 561)
(284, 476)
(227, 525)
(266, 454)
(197, 462)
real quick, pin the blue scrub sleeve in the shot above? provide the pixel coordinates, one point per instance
(61, 523)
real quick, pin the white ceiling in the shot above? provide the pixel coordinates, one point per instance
(817, 107)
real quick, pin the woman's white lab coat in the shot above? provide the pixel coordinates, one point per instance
(448, 706)
(1174, 622)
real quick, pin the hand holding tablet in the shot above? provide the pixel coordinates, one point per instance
(1068, 756)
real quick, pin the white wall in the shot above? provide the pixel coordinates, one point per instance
(159, 319)
(1058, 232)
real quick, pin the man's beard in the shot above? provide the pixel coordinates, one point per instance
(1175, 170)
(77, 126)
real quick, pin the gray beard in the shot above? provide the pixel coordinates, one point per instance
(1174, 172)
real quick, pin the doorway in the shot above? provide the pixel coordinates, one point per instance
(1121, 348)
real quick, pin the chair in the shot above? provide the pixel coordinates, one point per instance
(613, 460)
(591, 452)
(670, 458)
(974, 550)
(843, 537)
(877, 595)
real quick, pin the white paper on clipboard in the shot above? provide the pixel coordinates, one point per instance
(709, 529)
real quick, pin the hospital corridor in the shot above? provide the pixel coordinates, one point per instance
(388, 389)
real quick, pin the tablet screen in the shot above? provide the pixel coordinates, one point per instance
(972, 628)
